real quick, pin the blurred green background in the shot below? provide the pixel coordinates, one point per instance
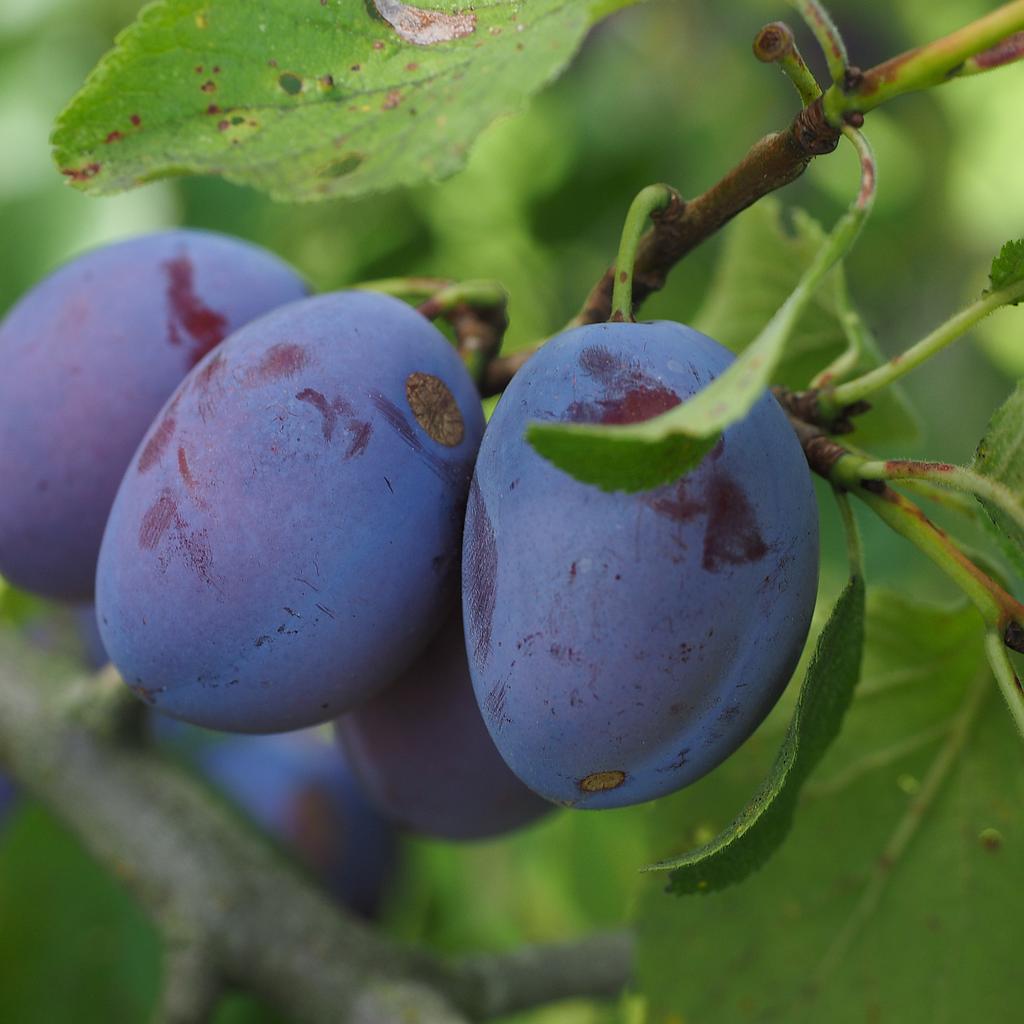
(667, 91)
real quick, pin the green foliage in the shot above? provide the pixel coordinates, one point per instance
(760, 828)
(897, 892)
(1008, 267)
(783, 329)
(632, 458)
(60, 908)
(1000, 456)
(328, 100)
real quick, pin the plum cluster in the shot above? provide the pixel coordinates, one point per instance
(277, 500)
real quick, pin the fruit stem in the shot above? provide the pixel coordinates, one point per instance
(826, 457)
(820, 22)
(855, 332)
(989, 42)
(854, 548)
(1006, 677)
(776, 44)
(409, 288)
(648, 202)
(832, 401)
(959, 478)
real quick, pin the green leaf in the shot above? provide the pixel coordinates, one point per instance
(309, 101)
(1008, 267)
(626, 460)
(897, 895)
(1000, 457)
(760, 828)
(781, 329)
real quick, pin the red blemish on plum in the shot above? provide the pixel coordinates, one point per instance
(213, 109)
(155, 523)
(209, 86)
(481, 565)
(135, 120)
(733, 536)
(362, 430)
(157, 443)
(82, 173)
(328, 410)
(673, 502)
(188, 313)
(632, 396)
(284, 359)
(114, 136)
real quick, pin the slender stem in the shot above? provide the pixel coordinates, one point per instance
(776, 44)
(998, 608)
(930, 65)
(647, 202)
(1006, 677)
(854, 550)
(482, 294)
(860, 387)
(820, 22)
(947, 475)
(406, 287)
(855, 332)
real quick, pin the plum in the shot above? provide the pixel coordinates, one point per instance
(623, 645)
(287, 539)
(424, 756)
(89, 356)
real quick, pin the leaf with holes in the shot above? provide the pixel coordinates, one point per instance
(897, 889)
(309, 99)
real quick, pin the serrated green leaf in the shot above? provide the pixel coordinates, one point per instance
(896, 896)
(1008, 267)
(308, 101)
(1000, 457)
(757, 832)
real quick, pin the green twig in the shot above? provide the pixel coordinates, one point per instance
(831, 401)
(990, 42)
(854, 330)
(647, 202)
(406, 287)
(1006, 677)
(854, 550)
(776, 44)
(945, 474)
(825, 32)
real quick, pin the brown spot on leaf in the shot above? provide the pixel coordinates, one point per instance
(425, 28)
(81, 173)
